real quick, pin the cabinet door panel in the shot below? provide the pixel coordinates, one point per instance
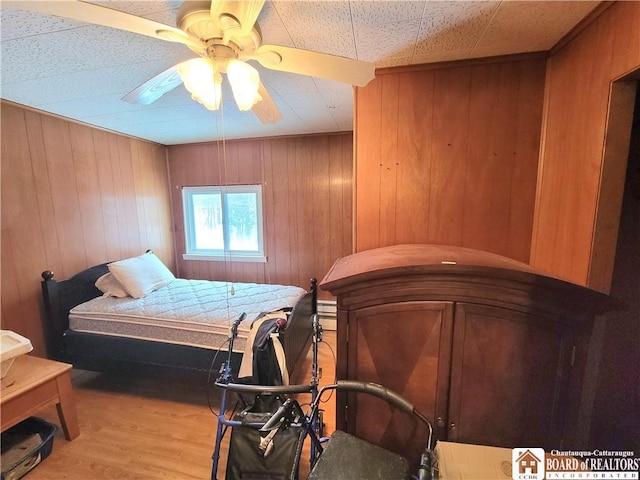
(508, 377)
(405, 347)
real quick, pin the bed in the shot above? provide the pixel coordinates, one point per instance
(180, 325)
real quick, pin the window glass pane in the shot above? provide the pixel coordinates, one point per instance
(207, 219)
(242, 221)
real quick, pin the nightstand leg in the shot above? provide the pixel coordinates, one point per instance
(67, 407)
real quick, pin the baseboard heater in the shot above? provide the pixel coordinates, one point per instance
(327, 310)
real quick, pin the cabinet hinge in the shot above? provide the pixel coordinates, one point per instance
(573, 355)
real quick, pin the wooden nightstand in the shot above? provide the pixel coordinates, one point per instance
(33, 383)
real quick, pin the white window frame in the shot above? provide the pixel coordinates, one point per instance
(192, 253)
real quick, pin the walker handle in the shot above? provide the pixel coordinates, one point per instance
(260, 389)
(376, 390)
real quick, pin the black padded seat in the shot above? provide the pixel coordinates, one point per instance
(349, 458)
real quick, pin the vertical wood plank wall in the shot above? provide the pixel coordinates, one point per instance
(448, 154)
(572, 161)
(73, 196)
(307, 195)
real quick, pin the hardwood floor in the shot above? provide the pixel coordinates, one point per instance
(149, 427)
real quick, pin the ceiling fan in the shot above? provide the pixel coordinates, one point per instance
(225, 35)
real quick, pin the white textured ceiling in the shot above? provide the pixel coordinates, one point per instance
(82, 71)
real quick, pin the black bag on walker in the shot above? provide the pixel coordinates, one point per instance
(246, 461)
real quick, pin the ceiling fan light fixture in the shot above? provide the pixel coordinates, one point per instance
(212, 97)
(203, 80)
(245, 82)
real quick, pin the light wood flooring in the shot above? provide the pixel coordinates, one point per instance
(149, 427)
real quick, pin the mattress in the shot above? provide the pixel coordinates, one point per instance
(188, 312)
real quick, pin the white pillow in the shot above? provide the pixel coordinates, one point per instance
(141, 275)
(110, 286)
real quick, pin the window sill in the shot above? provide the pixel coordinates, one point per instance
(226, 258)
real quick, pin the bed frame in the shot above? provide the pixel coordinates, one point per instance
(113, 353)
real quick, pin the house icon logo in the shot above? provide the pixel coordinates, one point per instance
(527, 464)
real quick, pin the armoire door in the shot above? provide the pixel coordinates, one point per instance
(406, 347)
(509, 375)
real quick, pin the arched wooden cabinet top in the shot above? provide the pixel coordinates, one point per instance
(444, 272)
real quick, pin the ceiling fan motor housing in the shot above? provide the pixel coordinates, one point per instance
(194, 18)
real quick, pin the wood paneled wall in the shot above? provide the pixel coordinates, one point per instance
(73, 196)
(448, 154)
(307, 190)
(571, 188)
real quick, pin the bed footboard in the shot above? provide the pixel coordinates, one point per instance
(299, 332)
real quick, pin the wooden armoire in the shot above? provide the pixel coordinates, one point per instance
(488, 348)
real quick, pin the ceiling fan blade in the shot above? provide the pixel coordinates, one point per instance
(266, 109)
(243, 13)
(154, 88)
(315, 64)
(107, 17)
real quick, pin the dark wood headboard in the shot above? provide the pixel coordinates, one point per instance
(61, 296)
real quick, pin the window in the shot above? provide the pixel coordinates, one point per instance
(223, 223)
